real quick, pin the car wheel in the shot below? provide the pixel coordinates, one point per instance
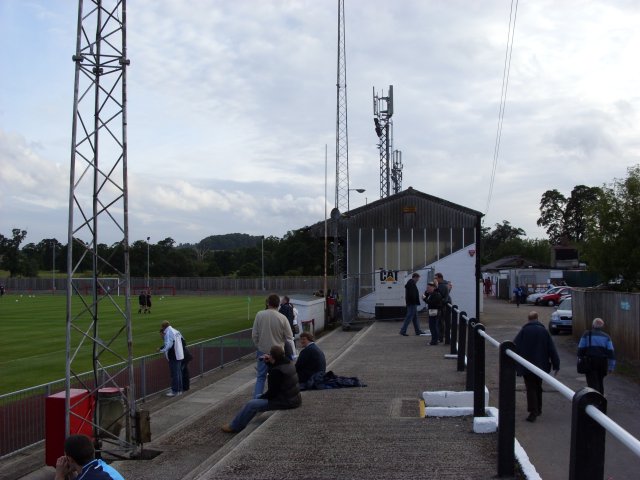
(552, 330)
(536, 302)
(551, 303)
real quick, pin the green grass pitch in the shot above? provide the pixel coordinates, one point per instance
(33, 340)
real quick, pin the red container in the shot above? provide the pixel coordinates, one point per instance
(82, 405)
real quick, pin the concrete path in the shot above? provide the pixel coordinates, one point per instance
(547, 441)
(373, 432)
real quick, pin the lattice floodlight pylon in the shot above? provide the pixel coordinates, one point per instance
(342, 137)
(98, 321)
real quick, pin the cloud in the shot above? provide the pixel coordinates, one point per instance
(231, 104)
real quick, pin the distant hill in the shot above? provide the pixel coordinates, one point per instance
(228, 241)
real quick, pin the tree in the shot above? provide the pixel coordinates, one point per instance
(552, 206)
(10, 251)
(577, 210)
(566, 219)
(612, 233)
(491, 240)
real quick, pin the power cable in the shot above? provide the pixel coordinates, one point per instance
(503, 97)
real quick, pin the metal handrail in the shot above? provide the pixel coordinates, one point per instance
(584, 464)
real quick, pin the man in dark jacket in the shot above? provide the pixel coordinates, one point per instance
(433, 299)
(444, 287)
(535, 345)
(287, 310)
(311, 361)
(282, 391)
(412, 299)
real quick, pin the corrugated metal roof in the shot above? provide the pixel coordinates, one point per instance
(407, 209)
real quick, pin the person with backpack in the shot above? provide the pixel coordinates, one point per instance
(597, 347)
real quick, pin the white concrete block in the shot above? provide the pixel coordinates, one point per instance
(447, 398)
(448, 411)
(485, 424)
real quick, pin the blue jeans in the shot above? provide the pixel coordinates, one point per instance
(412, 316)
(434, 329)
(261, 375)
(175, 366)
(250, 409)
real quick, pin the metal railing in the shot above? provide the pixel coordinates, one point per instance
(589, 422)
(22, 413)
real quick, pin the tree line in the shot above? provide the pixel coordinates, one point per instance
(602, 223)
(297, 253)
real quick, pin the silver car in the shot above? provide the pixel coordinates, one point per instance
(562, 318)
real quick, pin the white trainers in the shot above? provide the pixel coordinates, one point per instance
(172, 393)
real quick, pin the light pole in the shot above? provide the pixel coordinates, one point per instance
(263, 263)
(53, 269)
(359, 190)
(148, 238)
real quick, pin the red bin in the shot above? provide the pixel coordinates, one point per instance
(81, 405)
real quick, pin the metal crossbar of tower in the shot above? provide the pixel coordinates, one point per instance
(382, 113)
(98, 325)
(342, 138)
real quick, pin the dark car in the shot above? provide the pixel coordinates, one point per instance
(554, 298)
(561, 319)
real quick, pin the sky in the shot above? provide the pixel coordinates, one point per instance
(231, 105)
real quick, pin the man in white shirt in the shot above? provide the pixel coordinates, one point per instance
(269, 328)
(174, 352)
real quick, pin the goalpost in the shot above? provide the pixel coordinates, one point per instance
(106, 285)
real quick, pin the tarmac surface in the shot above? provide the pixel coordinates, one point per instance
(374, 432)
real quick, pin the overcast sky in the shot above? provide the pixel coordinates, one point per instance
(231, 104)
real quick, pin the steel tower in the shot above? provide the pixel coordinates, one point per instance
(390, 161)
(98, 204)
(342, 138)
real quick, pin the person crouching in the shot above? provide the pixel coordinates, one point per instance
(282, 391)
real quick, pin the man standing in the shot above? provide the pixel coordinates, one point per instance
(142, 302)
(174, 351)
(148, 303)
(282, 392)
(535, 345)
(270, 328)
(412, 300)
(311, 362)
(444, 287)
(433, 299)
(287, 310)
(598, 348)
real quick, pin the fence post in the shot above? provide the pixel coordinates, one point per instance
(507, 417)
(201, 360)
(143, 379)
(471, 358)
(447, 327)
(478, 371)
(221, 352)
(586, 461)
(462, 341)
(454, 329)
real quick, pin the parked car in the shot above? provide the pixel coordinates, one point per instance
(555, 297)
(535, 297)
(562, 318)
